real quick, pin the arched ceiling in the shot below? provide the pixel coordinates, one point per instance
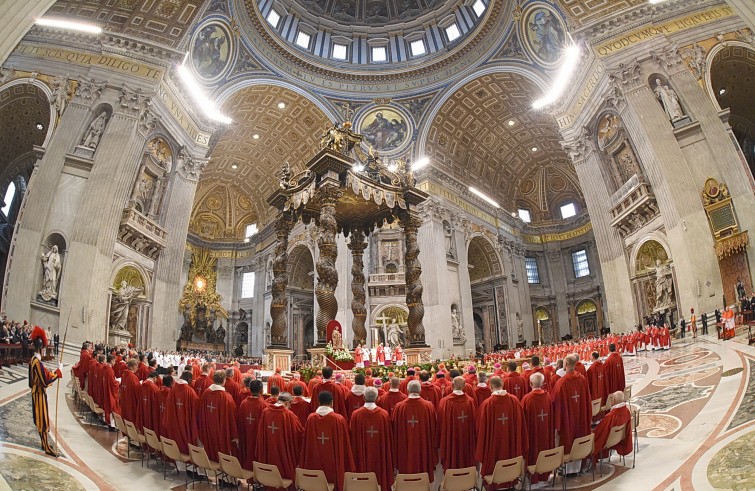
(21, 108)
(221, 211)
(733, 69)
(483, 260)
(369, 12)
(484, 136)
(289, 134)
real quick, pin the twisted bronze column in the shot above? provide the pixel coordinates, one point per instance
(411, 222)
(357, 246)
(327, 275)
(279, 303)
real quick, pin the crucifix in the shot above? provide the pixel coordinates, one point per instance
(372, 431)
(383, 326)
(211, 407)
(412, 421)
(542, 415)
(272, 427)
(322, 438)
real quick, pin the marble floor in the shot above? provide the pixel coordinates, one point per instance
(696, 431)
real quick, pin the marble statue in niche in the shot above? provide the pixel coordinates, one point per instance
(51, 265)
(456, 328)
(664, 286)
(394, 333)
(120, 303)
(519, 327)
(62, 91)
(449, 237)
(94, 132)
(669, 100)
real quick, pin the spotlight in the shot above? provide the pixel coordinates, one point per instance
(200, 98)
(722, 91)
(484, 196)
(534, 149)
(65, 24)
(512, 122)
(281, 105)
(392, 167)
(256, 136)
(359, 167)
(420, 163)
(234, 166)
(40, 126)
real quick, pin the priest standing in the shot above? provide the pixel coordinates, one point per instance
(179, 418)
(572, 406)
(109, 391)
(414, 430)
(371, 439)
(249, 416)
(456, 424)
(393, 396)
(149, 405)
(130, 391)
(279, 437)
(595, 378)
(513, 382)
(429, 392)
(327, 384)
(326, 440)
(538, 414)
(613, 373)
(217, 424)
(501, 429)
(299, 405)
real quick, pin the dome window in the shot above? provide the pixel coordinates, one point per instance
(452, 32)
(417, 47)
(379, 54)
(274, 17)
(479, 8)
(339, 51)
(302, 40)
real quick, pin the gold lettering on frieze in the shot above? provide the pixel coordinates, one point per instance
(541, 239)
(453, 197)
(624, 41)
(201, 138)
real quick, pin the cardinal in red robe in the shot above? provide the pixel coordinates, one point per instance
(538, 414)
(501, 429)
(456, 425)
(279, 437)
(429, 391)
(410, 375)
(130, 390)
(595, 377)
(618, 415)
(81, 369)
(204, 381)
(149, 405)
(481, 390)
(414, 430)
(249, 416)
(388, 400)
(217, 422)
(328, 385)
(613, 373)
(571, 405)
(513, 382)
(276, 380)
(109, 389)
(232, 387)
(297, 381)
(180, 415)
(355, 399)
(327, 446)
(300, 406)
(371, 439)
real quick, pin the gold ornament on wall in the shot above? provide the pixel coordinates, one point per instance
(200, 284)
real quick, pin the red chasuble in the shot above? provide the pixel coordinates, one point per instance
(514, 384)
(354, 401)
(432, 393)
(217, 423)
(327, 447)
(143, 372)
(405, 383)
(313, 382)
(180, 416)
(579, 367)
(148, 415)
(388, 400)
(538, 414)
(456, 424)
(130, 391)
(481, 393)
(546, 383)
(613, 375)
(414, 431)
(94, 387)
(81, 370)
(250, 413)
(572, 408)
(201, 384)
(279, 440)
(163, 394)
(294, 383)
(109, 392)
(617, 416)
(444, 384)
(234, 390)
(339, 399)
(501, 431)
(595, 381)
(119, 367)
(371, 441)
(276, 380)
(301, 409)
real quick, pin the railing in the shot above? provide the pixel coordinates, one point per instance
(142, 224)
(387, 278)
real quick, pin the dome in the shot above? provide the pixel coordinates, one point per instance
(371, 12)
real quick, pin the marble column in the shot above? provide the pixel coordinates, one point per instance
(410, 222)
(358, 308)
(327, 274)
(279, 304)
(18, 18)
(745, 9)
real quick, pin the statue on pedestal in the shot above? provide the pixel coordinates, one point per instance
(120, 303)
(51, 265)
(664, 286)
(456, 328)
(94, 132)
(669, 100)
(394, 333)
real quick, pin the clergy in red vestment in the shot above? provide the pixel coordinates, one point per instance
(119, 367)
(276, 380)
(355, 399)
(218, 430)
(613, 373)
(272, 398)
(180, 414)
(501, 429)
(456, 425)
(580, 367)
(481, 390)
(410, 375)
(204, 380)
(236, 372)
(538, 414)
(536, 368)
(327, 384)
(443, 383)
(249, 416)
(167, 385)
(595, 377)
(143, 371)
(148, 415)
(470, 378)
(618, 415)
(314, 381)
(109, 389)
(300, 406)
(130, 390)
(429, 391)
(371, 439)
(414, 430)
(94, 384)
(513, 382)
(327, 446)
(232, 387)
(279, 437)
(388, 400)
(296, 380)
(81, 369)
(571, 405)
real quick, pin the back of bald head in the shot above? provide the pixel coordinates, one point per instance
(395, 383)
(229, 372)
(459, 383)
(284, 397)
(496, 383)
(570, 362)
(617, 397)
(536, 380)
(370, 394)
(414, 387)
(206, 368)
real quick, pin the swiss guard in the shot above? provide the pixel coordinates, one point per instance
(40, 378)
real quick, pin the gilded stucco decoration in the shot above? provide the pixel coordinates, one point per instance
(649, 252)
(222, 210)
(483, 260)
(200, 285)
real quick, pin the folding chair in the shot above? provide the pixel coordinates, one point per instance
(412, 482)
(595, 407)
(312, 480)
(172, 452)
(509, 470)
(548, 461)
(269, 476)
(133, 434)
(360, 481)
(154, 443)
(614, 438)
(581, 448)
(459, 479)
(202, 461)
(231, 467)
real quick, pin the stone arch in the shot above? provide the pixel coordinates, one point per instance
(657, 237)
(130, 270)
(301, 267)
(710, 58)
(482, 254)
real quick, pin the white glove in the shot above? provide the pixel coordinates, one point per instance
(60, 367)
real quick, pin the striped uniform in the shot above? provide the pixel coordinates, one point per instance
(39, 379)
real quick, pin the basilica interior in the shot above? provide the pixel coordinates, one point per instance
(515, 173)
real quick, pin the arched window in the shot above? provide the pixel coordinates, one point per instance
(10, 193)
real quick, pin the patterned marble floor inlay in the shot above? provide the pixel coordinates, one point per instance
(746, 410)
(18, 425)
(733, 467)
(24, 473)
(670, 397)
